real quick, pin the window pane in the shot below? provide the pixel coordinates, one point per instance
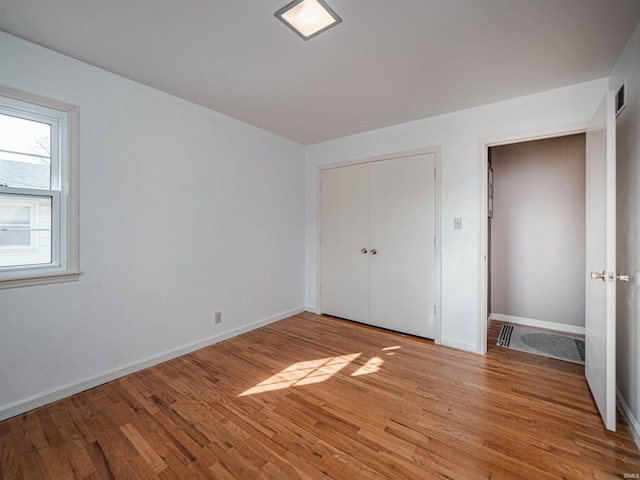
(25, 153)
(17, 238)
(25, 230)
(15, 223)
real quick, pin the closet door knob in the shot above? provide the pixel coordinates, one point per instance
(373, 251)
(363, 250)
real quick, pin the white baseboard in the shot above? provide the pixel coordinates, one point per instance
(467, 347)
(629, 418)
(530, 322)
(311, 309)
(53, 395)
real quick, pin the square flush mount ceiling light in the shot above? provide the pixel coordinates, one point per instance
(308, 18)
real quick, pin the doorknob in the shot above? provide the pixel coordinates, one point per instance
(603, 276)
(373, 251)
(363, 250)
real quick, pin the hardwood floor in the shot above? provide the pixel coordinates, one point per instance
(319, 398)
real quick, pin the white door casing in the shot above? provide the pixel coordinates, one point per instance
(600, 307)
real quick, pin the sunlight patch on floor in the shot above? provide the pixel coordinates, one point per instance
(372, 366)
(306, 373)
(390, 351)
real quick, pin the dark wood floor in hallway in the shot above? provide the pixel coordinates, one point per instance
(314, 397)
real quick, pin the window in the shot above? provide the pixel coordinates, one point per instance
(38, 194)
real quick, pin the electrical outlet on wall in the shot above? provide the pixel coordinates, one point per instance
(218, 317)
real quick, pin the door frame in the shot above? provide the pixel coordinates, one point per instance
(483, 220)
(438, 269)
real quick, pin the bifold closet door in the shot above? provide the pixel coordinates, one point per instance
(402, 234)
(345, 233)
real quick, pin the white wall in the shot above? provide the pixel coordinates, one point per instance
(538, 231)
(183, 212)
(458, 134)
(628, 231)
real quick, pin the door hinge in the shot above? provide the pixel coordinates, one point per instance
(320, 290)
(434, 309)
(320, 238)
(434, 240)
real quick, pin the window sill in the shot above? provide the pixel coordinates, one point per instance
(38, 280)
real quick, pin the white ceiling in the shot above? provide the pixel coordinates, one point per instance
(389, 62)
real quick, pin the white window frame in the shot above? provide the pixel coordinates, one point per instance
(63, 193)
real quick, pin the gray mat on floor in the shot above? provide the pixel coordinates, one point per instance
(554, 345)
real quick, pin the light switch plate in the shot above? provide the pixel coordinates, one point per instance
(457, 223)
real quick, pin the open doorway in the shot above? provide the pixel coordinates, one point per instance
(483, 189)
(536, 233)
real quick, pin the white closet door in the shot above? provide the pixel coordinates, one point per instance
(402, 278)
(344, 268)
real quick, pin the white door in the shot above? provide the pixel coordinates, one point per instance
(600, 311)
(344, 242)
(403, 251)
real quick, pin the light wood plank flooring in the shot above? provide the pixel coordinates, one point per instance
(314, 397)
